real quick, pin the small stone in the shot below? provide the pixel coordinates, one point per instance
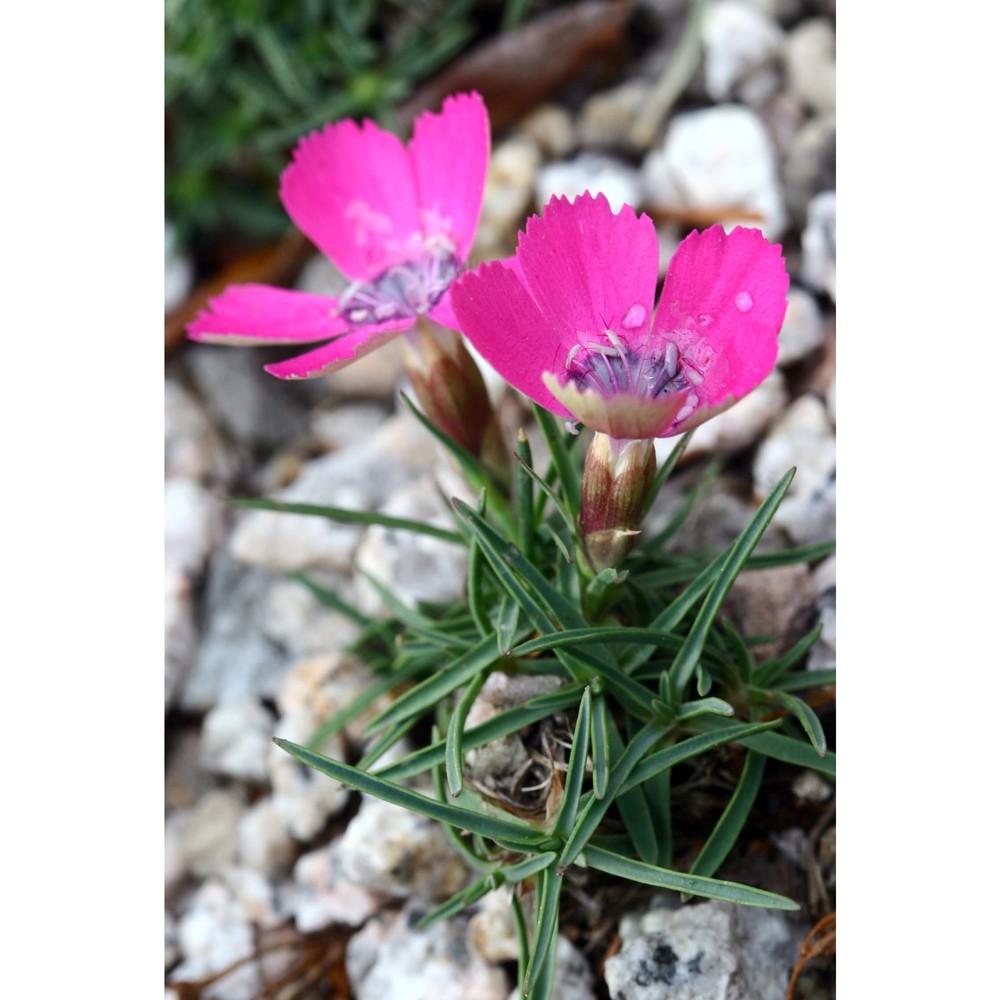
(606, 118)
(802, 438)
(616, 180)
(705, 950)
(217, 931)
(206, 837)
(180, 633)
(192, 446)
(802, 332)
(343, 424)
(739, 41)
(819, 244)
(810, 164)
(264, 843)
(298, 621)
(192, 526)
(393, 851)
(716, 159)
(321, 895)
(492, 932)
(413, 567)
(236, 740)
(389, 959)
(778, 601)
(810, 64)
(178, 270)
(550, 127)
(360, 477)
(823, 655)
(810, 787)
(510, 181)
(743, 423)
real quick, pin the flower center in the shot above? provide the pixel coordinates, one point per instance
(615, 368)
(407, 289)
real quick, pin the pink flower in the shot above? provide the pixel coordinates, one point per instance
(397, 220)
(567, 320)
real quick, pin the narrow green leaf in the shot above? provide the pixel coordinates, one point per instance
(726, 832)
(348, 517)
(561, 508)
(693, 746)
(525, 495)
(521, 870)
(789, 557)
(546, 924)
(807, 718)
(454, 756)
(632, 806)
(464, 819)
(544, 984)
(508, 619)
(332, 599)
(593, 812)
(703, 706)
(693, 885)
(386, 742)
(771, 671)
(455, 904)
(521, 929)
(744, 659)
(430, 691)
(805, 679)
(601, 635)
(777, 745)
(569, 476)
(657, 792)
(575, 770)
(476, 583)
(600, 748)
(664, 470)
(738, 553)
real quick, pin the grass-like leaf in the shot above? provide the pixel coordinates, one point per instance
(569, 475)
(805, 679)
(723, 837)
(455, 904)
(814, 553)
(776, 745)
(549, 886)
(806, 716)
(343, 516)
(738, 554)
(769, 672)
(524, 477)
(500, 830)
(600, 747)
(508, 618)
(453, 756)
(693, 746)
(575, 769)
(664, 470)
(430, 691)
(693, 885)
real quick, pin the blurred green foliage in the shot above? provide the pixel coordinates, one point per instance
(246, 78)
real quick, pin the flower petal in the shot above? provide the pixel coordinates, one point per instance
(450, 152)
(624, 416)
(443, 312)
(723, 303)
(350, 189)
(590, 270)
(260, 314)
(340, 352)
(501, 320)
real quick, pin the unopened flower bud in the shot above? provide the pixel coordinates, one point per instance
(617, 477)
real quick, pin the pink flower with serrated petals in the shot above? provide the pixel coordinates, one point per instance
(569, 319)
(398, 220)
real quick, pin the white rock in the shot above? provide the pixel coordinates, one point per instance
(305, 797)
(192, 525)
(192, 446)
(739, 426)
(810, 787)
(178, 270)
(346, 423)
(803, 438)
(507, 196)
(390, 960)
(802, 331)
(831, 399)
(550, 127)
(180, 634)
(739, 39)
(264, 842)
(810, 64)
(809, 163)
(319, 276)
(412, 566)
(206, 835)
(217, 930)
(393, 851)
(819, 244)
(715, 159)
(236, 740)
(294, 617)
(321, 895)
(825, 574)
(360, 477)
(701, 951)
(616, 180)
(606, 118)
(823, 655)
(492, 931)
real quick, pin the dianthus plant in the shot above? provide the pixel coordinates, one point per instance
(646, 680)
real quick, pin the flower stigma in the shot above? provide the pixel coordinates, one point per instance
(410, 288)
